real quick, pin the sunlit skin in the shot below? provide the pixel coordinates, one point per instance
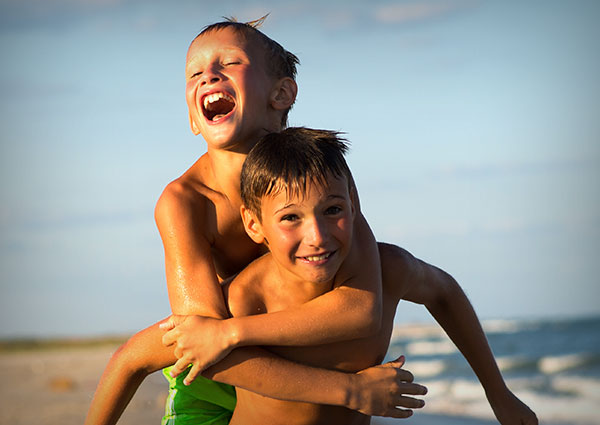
(224, 63)
(204, 242)
(309, 236)
(299, 227)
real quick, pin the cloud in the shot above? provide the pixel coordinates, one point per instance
(416, 11)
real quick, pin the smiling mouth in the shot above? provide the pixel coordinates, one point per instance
(317, 258)
(217, 105)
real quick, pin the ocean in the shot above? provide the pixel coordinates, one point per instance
(552, 365)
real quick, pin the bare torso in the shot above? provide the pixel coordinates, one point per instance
(221, 225)
(258, 288)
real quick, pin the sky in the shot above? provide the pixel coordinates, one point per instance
(474, 129)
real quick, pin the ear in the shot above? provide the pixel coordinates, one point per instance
(284, 94)
(193, 125)
(354, 194)
(354, 202)
(252, 225)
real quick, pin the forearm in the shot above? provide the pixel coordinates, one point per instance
(352, 310)
(342, 314)
(117, 386)
(141, 355)
(262, 372)
(454, 312)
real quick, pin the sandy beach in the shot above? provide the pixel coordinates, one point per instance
(54, 385)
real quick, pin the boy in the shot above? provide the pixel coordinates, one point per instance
(297, 200)
(240, 85)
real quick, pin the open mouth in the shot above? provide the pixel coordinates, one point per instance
(217, 105)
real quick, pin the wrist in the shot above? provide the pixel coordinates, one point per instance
(233, 332)
(352, 395)
(496, 392)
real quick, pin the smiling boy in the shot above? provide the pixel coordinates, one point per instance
(298, 200)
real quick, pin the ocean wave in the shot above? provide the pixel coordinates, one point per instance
(426, 369)
(517, 363)
(577, 386)
(571, 400)
(424, 348)
(506, 326)
(554, 364)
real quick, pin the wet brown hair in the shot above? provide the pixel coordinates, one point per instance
(290, 160)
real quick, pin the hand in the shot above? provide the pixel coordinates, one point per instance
(509, 410)
(198, 340)
(380, 391)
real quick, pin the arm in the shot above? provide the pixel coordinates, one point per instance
(124, 373)
(350, 311)
(374, 391)
(424, 284)
(192, 280)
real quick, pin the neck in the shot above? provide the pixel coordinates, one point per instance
(300, 290)
(226, 167)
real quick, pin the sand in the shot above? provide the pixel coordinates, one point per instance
(54, 386)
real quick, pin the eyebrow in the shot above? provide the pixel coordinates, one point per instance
(329, 197)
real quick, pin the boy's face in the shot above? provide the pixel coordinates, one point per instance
(228, 88)
(309, 236)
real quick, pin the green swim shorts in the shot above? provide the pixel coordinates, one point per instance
(203, 402)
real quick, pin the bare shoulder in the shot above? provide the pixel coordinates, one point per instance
(396, 259)
(245, 294)
(182, 199)
(399, 269)
(410, 278)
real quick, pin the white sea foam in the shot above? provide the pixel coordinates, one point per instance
(502, 326)
(462, 397)
(553, 364)
(513, 362)
(423, 348)
(417, 331)
(578, 386)
(425, 369)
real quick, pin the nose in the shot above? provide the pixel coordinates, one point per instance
(210, 75)
(316, 233)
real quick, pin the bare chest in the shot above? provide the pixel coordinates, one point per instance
(232, 249)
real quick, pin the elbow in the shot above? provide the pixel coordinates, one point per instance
(447, 292)
(128, 360)
(369, 316)
(375, 317)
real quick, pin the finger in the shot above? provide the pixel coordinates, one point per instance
(167, 324)
(398, 363)
(405, 376)
(169, 339)
(178, 352)
(171, 322)
(193, 373)
(399, 413)
(179, 367)
(412, 389)
(409, 402)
